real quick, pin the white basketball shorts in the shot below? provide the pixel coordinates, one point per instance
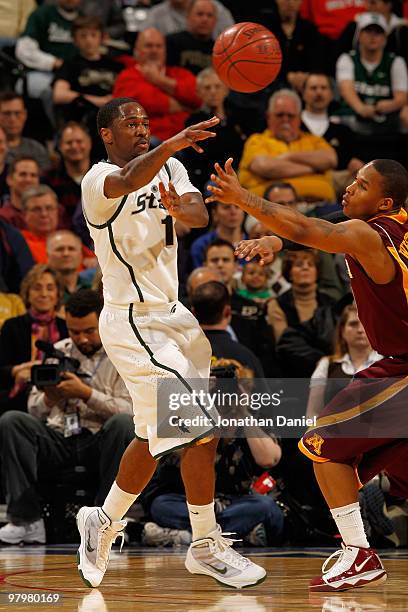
(149, 343)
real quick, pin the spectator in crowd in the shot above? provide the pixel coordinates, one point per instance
(211, 305)
(41, 294)
(199, 276)
(227, 220)
(85, 83)
(170, 16)
(23, 172)
(301, 347)
(46, 42)
(397, 32)
(317, 97)
(352, 353)
(372, 82)
(11, 305)
(74, 145)
(13, 19)
(13, 117)
(276, 282)
(3, 163)
(15, 258)
(331, 17)
(284, 152)
(192, 47)
(303, 47)
(230, 132)
(63, 417)
(301, 269)
(40, 210)
(64, 250)
(166, 91)
(255, 282)
(110, 14)
(329, 282)
(40, 205)
(239, 509)
(248, 322)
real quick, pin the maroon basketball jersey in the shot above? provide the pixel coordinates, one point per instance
(383, 309)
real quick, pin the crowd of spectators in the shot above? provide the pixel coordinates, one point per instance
(340, 100)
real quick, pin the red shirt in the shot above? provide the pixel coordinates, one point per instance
(13, 215)
(331, 16)
(131, 83)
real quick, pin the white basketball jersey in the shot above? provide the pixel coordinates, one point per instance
(134, 237)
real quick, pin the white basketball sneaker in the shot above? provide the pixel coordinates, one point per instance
(214, 556)
(98, 533)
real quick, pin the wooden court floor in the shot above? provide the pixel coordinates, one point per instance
(155, 579)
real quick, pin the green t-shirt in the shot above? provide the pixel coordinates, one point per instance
(51, 30)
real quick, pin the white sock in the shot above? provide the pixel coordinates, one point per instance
(118, 502)
(350, 525)
(202, 519)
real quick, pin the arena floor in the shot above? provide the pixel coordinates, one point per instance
(144, 579)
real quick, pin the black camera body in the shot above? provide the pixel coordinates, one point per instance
(50, 374)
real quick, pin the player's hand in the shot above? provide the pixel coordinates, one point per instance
(226, 188)
(191, 135)
(72, 387)
(170, 199)
(265, 248)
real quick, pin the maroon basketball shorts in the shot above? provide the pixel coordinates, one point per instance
(366, 424)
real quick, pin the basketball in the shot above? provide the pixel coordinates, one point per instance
(247, 57)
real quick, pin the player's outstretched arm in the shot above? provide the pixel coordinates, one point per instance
(143, 168)
(347, 237)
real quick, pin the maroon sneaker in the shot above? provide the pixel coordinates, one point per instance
(355, 567)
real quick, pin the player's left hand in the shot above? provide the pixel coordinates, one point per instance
(264, 248)
(72, 387)
(170, 199)
(226, 188)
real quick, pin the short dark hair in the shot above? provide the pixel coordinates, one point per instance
(7, 96)
(279, 185)
(17, 159)
(395, 180)
(88, 22)
(110, 111)
(209, 301)
(83, 302)
(71, 125)
(218, 242)
(318, 74)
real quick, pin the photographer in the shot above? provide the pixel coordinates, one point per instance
(85, 418)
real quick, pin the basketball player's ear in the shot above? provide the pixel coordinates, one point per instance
(386, 204)
(106, 135)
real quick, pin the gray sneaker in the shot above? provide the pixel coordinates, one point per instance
(154, 535)
(214, 556)
(30, 533)
(98, 533)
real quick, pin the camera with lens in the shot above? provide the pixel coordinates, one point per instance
(48, 374)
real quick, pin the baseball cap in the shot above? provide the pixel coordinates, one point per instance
(365, 20)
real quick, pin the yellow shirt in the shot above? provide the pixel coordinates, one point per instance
(313, 187)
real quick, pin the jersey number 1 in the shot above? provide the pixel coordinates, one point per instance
(169, 238)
